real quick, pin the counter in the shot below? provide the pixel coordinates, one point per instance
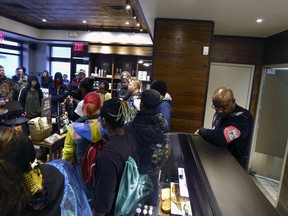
(217, 184)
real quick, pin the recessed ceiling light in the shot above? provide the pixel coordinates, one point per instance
(127, 23)
(259, 20)
(128, 6)
(84, 21)
(44, 20)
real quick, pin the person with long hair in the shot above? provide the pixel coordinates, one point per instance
(30, 98)
(110, 162)
(25, 190)
(46, 79)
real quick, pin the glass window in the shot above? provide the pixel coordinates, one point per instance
(10, 51)
(84, 67)
(10, 56)
(9, 62)
(61, 52)
(12, 43)
(57, 66)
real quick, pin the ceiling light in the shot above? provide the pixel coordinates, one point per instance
(146, 64)
(140, 61)
(134, 16)
(138, 24)
(44, 20)
(128, 6)
(127, 23)
(84, 21)
(259, 20)
(141, 29)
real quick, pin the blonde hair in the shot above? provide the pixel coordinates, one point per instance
(137, 83)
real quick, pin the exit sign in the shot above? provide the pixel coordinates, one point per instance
(78, 47)
(1, 37)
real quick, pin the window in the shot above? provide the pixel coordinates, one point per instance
(61, 52)
(60, 60)
(63, 67)
(10, 56)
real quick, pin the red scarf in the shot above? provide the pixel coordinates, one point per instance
(57, 84)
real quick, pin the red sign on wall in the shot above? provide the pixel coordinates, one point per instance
(78, 47)
(1, 37)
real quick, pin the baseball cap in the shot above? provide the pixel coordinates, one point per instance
(80, 71)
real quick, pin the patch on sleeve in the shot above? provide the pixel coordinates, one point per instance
(231, 133)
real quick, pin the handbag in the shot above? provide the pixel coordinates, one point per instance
(134, 189)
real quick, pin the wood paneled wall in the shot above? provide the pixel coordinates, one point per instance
(178, 60)
(241, 50)
(276, 50)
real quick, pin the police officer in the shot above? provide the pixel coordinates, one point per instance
(231, 127)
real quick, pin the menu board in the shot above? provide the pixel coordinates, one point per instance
(46, 108)
(62, 123)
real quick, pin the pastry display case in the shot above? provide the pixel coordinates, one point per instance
(194, 177)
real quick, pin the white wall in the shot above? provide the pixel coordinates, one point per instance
(238, 77)
(79, 36)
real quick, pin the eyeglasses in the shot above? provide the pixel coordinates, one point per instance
(222, 107)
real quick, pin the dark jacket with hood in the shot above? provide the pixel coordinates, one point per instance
(148, 128)
(24, 92)
(58, 92)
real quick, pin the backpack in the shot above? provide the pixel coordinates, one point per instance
(134, 189)
(87, 163)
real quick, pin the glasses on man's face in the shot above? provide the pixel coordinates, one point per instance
(222, 107)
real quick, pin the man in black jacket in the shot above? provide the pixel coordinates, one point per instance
(148, 128)
(231, 127)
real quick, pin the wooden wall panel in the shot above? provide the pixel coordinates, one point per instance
(178, 60)
(121, 50)
(276, 51)
(241, 50)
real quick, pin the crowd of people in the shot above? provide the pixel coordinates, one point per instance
(132, 123)
(124, 120)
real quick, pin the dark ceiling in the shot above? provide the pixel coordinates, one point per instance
(100, 15)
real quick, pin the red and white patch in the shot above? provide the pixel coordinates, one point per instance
(231, 133)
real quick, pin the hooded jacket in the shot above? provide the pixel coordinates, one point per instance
(57, 94)
(165, 107)
(148, 128)
(80, 133)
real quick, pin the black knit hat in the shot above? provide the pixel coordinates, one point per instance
(159, 86)
(150, 97)
(87, 84)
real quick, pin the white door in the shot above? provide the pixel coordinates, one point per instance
(238, 77)
(270, 138)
